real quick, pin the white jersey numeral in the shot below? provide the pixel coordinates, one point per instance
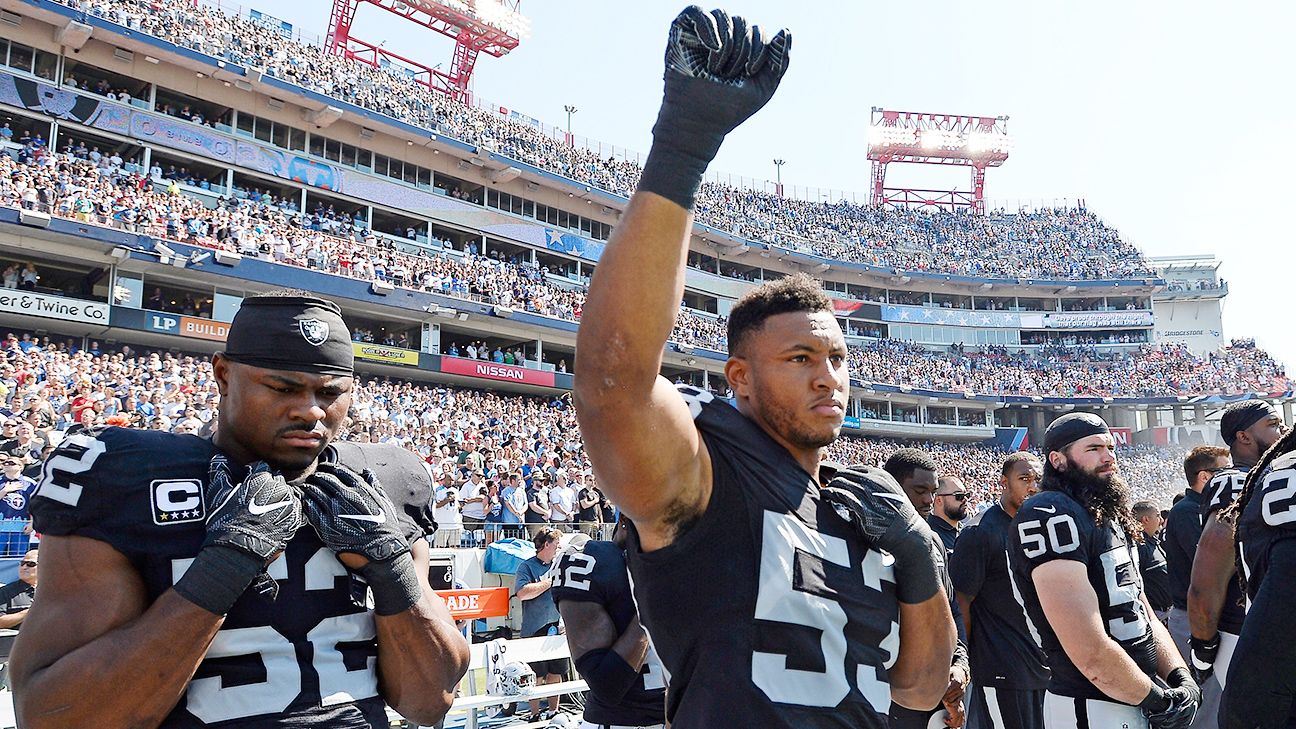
(212, 701)
(779, 601)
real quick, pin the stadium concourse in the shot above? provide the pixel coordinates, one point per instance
(56, 385)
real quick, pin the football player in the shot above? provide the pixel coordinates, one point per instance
(1215, 610)
(768, 596)
(1260, 691)
(266, 577)
(1072, 557)
(1006, 660)
(609, 647)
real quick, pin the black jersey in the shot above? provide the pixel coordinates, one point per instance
(1004, 644)
(1222, 490)
(769, 611)
(597, 574)
(307, 659)
(1269, 518)
(1050, 526)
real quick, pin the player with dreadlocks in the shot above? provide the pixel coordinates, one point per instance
(1262, 677)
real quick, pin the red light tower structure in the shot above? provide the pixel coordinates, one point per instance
(935, 139)
(494, 27)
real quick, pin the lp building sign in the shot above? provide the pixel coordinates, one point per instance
(53, 307)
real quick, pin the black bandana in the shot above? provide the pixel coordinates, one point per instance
(295, 333)
(1243, 415)
(1070, 428)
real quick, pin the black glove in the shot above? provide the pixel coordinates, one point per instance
(1202, 656)
(1172, 708)
(1182, 678)
(249, 523)
(871, 500)
(352, 514)
(719, 71)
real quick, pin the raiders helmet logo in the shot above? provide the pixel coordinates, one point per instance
(314, 331)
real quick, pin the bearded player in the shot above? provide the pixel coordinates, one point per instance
(1073, 557)
(609, 647)
(263, 578)
(760, 576)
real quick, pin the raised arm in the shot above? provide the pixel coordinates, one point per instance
(638, 431)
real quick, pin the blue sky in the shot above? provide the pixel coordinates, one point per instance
(1174, 121)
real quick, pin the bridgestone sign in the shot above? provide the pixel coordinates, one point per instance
(53, 307)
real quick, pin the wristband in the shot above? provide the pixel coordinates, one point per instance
(218, 577)
(394, 583)
(684, 143)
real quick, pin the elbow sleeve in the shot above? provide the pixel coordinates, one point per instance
(606, 672)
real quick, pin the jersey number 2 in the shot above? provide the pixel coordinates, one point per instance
(779, 601)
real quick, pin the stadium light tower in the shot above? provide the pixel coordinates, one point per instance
(494, 27)
(935, 139)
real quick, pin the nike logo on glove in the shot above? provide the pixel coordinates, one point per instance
(379, 519)
(260, 509)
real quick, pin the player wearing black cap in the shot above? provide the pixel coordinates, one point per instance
(1215, 609)
(1010, 669)
(766, 595)
(1073, 558)
(1260, 691)
(188, 583)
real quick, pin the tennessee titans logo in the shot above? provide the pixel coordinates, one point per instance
(314, 331)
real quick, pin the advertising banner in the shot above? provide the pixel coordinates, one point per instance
(186, 326)
(1123, 437)
(495, 371)
(950, 317)
(1093, 319)
(53, 307)
(490, 602)
(385, 354)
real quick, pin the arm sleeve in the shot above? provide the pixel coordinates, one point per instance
(1256, 695)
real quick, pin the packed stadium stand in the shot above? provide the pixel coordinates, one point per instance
(174, 159)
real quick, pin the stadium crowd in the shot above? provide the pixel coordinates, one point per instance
(104, 192)
(47, 387)
(1071, 371)
(1062, 243)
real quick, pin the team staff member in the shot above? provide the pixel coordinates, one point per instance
(791, 610)
(1152, 559)
(1260, 691)
(1009, 666)
(609, 647)
(223, 582)
(1215, 611)
(1073, 558)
